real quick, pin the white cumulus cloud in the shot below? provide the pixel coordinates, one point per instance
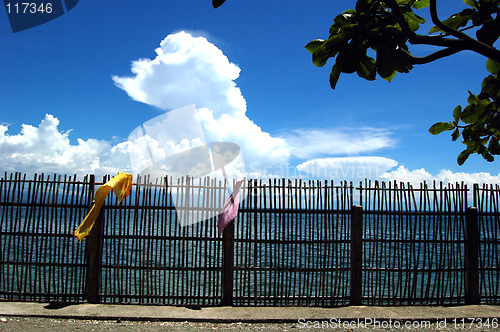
(187, 70)
(46, 149)
(190, 70)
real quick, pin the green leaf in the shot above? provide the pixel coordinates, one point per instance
(313, 45)
(472, 98)
(456, 114)
(367, 68)
(483, 142)
(320, 56)
(401, 63)
(412, 24)
(494, 146)
(493, 67)
(334, 76)
(413, 20)
(486, 155)
(462, 157)
(490, 32)
(467, 132)
(419, 4)
(472, 146)
(348, 58)
(490, 88)
(473, 112)
(344, 19)
(217, 3)
(471, 3)
(456, 21)
(390, 77)
(336, 43)
(439, 127)
(455, 135)
(385, 64)
(414, 17)
(434, 29)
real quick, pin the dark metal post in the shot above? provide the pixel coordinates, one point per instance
(471, 257)
(356, 254)
(93, 251)
(227, 264)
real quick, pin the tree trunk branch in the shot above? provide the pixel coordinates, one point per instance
(441, 25)
(469, 42)
(461, 43)
(431, 57)
(401, 18)
(437, 41)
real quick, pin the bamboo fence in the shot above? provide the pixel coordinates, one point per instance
(293, 242)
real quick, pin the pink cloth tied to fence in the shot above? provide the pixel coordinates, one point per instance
(230, 209)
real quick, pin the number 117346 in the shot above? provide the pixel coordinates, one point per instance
(29, 8)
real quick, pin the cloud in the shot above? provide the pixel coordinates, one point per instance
(347, 168)
(190, 70)
(187, 70)
(46, 149)
(307, 143)
(259, 149)
(417, 176)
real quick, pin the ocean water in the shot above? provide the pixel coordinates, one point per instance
(280, 258)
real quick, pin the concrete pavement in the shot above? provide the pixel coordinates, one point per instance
(247, 314)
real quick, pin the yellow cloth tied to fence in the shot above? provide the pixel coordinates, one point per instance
(121, 185)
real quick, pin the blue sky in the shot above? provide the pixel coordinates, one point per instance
(292, 120)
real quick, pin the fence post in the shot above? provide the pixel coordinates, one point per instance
(93, 251)
(356, 254)
(227, 264)
(471, 257)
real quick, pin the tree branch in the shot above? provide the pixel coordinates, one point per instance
(470, 43)
(415, 38)
(431, 57)
(463, 41)
(437, 41)
(441, 25)
(401, 18)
